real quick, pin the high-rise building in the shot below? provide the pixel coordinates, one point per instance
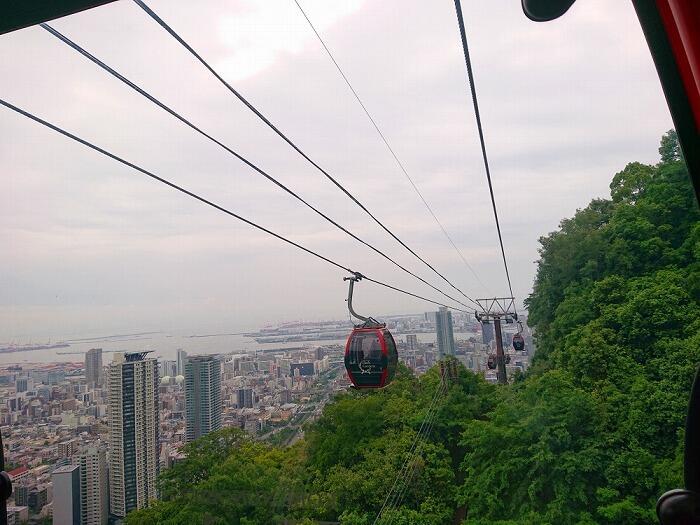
(302, 369)
(202, 395)
(22, 384)
(445, 334)
(66, 449)
(487, 333)
(411, 342)
(17, 514)
(285, 397)
(168, 368)
(94, 495)
(39, 496)
(20, 492)
(133, 432)
(181, 359)
(56, 376)
(245, 398)
(93, 367)
(66, 495)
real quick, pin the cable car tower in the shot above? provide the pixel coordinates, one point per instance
(495, 310)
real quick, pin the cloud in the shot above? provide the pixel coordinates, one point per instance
(90, 243)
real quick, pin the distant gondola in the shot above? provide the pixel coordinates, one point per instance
(492, 361)
(518, 342)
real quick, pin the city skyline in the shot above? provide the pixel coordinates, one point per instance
(61, 425)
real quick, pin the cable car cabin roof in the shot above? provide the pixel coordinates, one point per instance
(371, 357)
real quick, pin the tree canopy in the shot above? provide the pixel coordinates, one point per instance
(592, 434)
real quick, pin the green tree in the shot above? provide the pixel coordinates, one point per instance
(670, 149)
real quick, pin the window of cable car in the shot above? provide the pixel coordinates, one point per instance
(365, 346)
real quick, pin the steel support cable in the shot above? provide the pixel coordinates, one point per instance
(386, 143)
(400, 491)
(444, 386)
(411, 467)
(189, 193)
(403, 465)
(472, 88)
(284, 137)
(412, 471)
(390, 497)
(229, 150)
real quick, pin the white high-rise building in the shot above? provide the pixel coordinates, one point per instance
(133, 432)
(93, 367)
(66, 495)
(445, 333)
(202, 395)
(94, 495)
(168, 368)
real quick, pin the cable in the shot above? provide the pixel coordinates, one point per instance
(386, 142)
(472, 87)
(204, 200)
(392, 496)
(409, 464)
(419, 449)
(408, 478)
(185, 121)
(262, 117)
(408, 456)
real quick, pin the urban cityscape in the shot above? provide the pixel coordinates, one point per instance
(85, 441)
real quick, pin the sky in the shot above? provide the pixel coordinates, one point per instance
(93, 247)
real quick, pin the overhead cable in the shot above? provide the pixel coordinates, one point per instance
(472, 88)
(407, 476)
(386, 142)
(229, 150)
(284, 137)
(206, 201)
(395, 490)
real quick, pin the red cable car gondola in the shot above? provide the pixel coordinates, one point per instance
(371, 357)
(518, 342)
(491, 362)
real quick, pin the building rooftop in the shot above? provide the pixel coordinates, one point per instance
(65, 468)
(135, 356)
(18, 471)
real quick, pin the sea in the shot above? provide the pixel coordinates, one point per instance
(164, 345)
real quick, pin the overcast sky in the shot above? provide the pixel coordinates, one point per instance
(90, 246)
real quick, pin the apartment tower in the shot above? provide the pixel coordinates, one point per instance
(66, 495)
(445, 334)
(93, 367)
(94, 495)
(202, 395)
(133, 432)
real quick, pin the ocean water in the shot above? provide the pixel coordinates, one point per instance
(165, 345)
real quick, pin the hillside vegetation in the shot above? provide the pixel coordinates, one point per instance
(592, 434)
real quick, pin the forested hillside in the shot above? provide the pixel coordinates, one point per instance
(592, 434)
